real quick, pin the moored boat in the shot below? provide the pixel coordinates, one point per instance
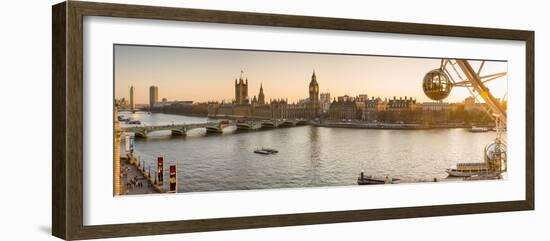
(478, 129)
(467, 169)
(484, 176)
(371, 180)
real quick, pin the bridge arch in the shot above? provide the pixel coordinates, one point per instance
(173, 132)
(270, 124)
(179, 132)
(288, 123)
(140, 134)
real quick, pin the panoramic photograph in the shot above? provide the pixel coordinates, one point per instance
(192, 119)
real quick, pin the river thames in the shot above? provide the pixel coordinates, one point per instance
(308, 156)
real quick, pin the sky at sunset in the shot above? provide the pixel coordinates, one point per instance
(209, 74)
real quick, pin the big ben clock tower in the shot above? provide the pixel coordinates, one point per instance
(313, 96)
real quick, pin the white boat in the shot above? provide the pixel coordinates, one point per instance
(467, 169)
(479, 129)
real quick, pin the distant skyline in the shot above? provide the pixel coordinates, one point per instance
(209, 74)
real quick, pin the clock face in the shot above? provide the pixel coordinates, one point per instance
(313, 88)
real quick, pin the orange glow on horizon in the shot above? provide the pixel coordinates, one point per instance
(208, 74)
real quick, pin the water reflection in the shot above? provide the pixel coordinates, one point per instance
(308, 156)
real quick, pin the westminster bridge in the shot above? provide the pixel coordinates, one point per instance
(214, 127)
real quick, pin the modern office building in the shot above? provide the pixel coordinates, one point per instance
(153, 96)
(132, 101)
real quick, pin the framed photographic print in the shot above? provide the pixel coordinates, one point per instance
(171, 120)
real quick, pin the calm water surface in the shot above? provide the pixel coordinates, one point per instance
(308, 156)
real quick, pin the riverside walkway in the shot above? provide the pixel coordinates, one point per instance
(134, 180)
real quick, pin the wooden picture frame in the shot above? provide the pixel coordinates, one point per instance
(67, 123)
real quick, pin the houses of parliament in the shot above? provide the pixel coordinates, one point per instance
(319, 105)
(258, 107)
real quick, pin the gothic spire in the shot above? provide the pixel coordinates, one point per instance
(261, 96)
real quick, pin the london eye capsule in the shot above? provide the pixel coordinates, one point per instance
(436, 85)
(495, 156)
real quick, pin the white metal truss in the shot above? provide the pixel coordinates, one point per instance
(465, 76)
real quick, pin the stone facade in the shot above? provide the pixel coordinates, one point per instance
(390, 110)
(241, 91)
(261, 96)
(344, 110)
(373, 108)
(401, 110)
(260, 108)
(313, 104)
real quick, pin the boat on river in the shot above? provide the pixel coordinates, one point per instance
(484, 176)
(372, 180)
(468, 169)
(476, 129)
(260, 151)
(266, 151)
(270, 150)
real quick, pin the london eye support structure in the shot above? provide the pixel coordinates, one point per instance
(438, 84)
(477, 83)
